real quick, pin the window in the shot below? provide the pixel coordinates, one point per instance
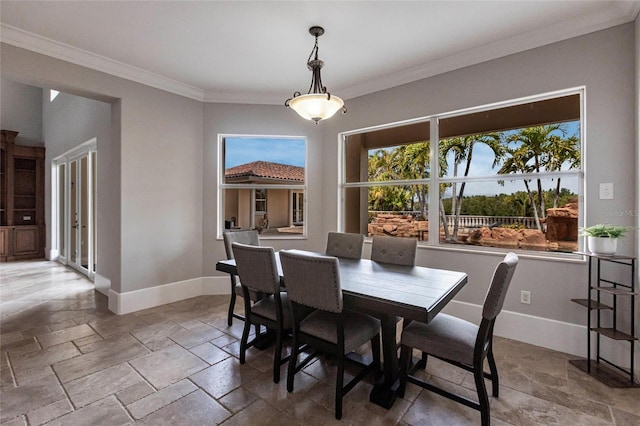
(387, 181)
(507, 176)
(262, 184)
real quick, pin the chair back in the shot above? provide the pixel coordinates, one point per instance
(341, 244)
(494, 300)
(257, 267)
(394, 250)
(242, 237)
(312, 280)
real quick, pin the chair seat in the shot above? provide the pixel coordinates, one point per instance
(267, 308)
(253, 295)
(358, 328)
(446, 337)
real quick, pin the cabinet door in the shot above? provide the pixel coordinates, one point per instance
(4, 243)
(25, 240)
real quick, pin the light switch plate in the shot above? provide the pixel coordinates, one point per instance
(606, 191)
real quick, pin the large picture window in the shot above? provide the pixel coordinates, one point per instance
(262, 184)
(505, 176)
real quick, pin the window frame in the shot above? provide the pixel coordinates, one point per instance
(435, 180)
(221, 186)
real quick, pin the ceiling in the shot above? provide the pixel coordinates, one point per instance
(256, 52)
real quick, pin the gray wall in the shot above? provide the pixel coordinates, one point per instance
(153, 203)
(601, 61)
(260, 120)
(21, 111)
(165, 146)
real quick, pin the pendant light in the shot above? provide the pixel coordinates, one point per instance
(317, 104)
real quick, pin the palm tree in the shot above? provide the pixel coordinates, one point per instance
(462, 149)
(383, 165)
(518, 162)
(413, 163)
(562, 152)
(537, 144)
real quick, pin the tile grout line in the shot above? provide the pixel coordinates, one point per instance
(11, 369)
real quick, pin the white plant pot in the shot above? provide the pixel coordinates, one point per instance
(602, 245)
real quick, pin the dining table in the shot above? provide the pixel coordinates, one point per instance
(388, 292)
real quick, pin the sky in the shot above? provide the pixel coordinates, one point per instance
(242, 150)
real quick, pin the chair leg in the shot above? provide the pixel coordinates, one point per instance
(293, 360)
(277, 356)
(339, 387)
(245, 339)
(495, 386)
(405, 356)
(483, 398)
(232, 303)
(375, 351)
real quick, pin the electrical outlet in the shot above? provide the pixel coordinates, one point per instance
(606, 191)
(525, 297)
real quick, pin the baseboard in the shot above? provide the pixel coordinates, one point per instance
(137, 300)
(132, 301)
(216, 285)
(102, 284)
(51, 254)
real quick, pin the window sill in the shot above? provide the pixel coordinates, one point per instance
(495, 251)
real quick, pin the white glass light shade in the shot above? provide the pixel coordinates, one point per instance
(316, 106)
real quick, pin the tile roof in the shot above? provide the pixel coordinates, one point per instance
(266, 170)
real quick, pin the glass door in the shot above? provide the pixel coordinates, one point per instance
(297, 207)
(76, 207)
(79, 214)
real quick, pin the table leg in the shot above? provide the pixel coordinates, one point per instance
(384, 392)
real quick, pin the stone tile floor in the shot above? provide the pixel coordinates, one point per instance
(66, 360)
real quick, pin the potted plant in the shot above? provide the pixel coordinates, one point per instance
(603, 238)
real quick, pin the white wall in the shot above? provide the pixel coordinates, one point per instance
(21, 111)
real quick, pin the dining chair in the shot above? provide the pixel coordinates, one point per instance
(461, 343)
(343, 244)
(394, 250)
(321, 322)
(258, 272)
(243, 237)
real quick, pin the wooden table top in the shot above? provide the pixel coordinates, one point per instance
(412, 292)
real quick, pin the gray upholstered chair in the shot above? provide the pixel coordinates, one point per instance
(461, 343)
(258, 272)
(341, 244)
(319, 320)
(394, 250)
(243, 237)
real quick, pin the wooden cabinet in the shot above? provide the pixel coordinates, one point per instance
(603, 297)
(22, 225)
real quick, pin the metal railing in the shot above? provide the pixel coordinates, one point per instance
(469, 221)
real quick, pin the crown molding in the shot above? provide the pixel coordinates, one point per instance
(46, 46)
(621, 13)
(214, 96)
(617, 14)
